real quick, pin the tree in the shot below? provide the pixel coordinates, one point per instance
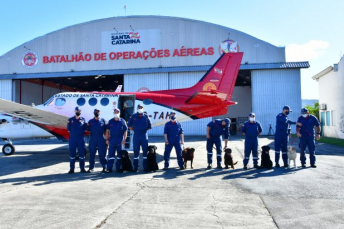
(314, 110)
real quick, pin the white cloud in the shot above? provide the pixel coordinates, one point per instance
(306, 52)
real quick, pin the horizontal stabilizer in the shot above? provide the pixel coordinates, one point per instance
(207, 97)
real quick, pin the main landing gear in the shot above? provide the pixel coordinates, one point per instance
(8, 149)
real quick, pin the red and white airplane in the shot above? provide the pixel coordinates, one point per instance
(210, 97)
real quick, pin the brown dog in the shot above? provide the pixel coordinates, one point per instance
(188, 155)
(228, 158)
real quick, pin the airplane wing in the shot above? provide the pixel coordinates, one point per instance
(32, 114)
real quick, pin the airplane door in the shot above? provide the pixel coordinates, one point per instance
(126, 104)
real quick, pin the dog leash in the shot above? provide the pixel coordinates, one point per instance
(292, 142)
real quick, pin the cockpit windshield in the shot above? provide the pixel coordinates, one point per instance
(49, 101)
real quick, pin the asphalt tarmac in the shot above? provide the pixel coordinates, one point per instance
(36, 192)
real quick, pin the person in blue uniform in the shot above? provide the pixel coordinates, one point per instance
(77, 127)
(97, 129)
(215, 130)
(140, 124)
(307, 134)
(251, 129)
(174, 137)
(282, 135)
(116, 135)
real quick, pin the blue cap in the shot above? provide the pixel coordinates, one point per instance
(116, 109)
(173, 112)
(286, 108)
(139, 105)
(304, 111)
(96, 110)
(251, 114)
(227, 120)
(77, 109)
(173, 117)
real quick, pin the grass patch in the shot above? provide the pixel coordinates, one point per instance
(331, 141)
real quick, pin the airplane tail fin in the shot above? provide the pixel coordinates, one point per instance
(221, 77)
(218, 81)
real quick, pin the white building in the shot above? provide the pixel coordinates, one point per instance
(331, 106)
(151, 53)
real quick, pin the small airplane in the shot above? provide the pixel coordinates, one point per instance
(209, 97)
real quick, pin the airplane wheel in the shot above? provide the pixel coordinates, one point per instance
(8, 149)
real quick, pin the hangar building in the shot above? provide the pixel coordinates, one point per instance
(152, 53)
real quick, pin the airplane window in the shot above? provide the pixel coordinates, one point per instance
(104, 101)
(147, 101)
(92, 101)
(81, 101)
(60, 101)
(128, 103)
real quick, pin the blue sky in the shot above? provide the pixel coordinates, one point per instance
(311, 30)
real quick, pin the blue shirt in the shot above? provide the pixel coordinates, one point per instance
(97, 127)
(283, 124)
(307, 128)
(216, 129)
(117, 130)
(140, 124)
(77, 127)
(173, 131)
(251, 130)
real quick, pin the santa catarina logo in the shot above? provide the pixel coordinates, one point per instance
(125, 38)
(227, 46)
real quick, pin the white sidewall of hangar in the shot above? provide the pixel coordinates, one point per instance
(6, 89)
(271, 90)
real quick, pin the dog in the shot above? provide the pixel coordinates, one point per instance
(291, 155)
(126, 162)
(266, 161)
(228, 158)
(151, 159)
(188, 155)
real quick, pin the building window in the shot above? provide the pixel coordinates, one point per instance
(322, 118)
(328, 118)
(104, 101)
(332, 118)
(60, 102)
(92, 101)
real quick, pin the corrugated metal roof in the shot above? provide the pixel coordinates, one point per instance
(285, 65)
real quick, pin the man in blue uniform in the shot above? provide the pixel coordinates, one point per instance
(251, 129)
(97, 128)
(282, 135)
(77, 127)
(140, 123)
(215, 130)
(305, 131)
(116, 135)
(174, 137)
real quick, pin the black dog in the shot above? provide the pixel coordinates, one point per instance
(266, 162)
(228, 158)
(188, 155)
(151, 159)
(125, 160)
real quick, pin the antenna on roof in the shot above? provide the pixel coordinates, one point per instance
(228, 35)
(115, 29)
(131, 28)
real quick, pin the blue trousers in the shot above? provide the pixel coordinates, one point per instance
(281, 143)
(310, 143)
(111, 155)
(77, 142)
(210, 142)
(251, 145)
(93, 144)
(140, 139)
(167, 154)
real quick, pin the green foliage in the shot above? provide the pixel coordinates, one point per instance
(332, 141)
(314, 110)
